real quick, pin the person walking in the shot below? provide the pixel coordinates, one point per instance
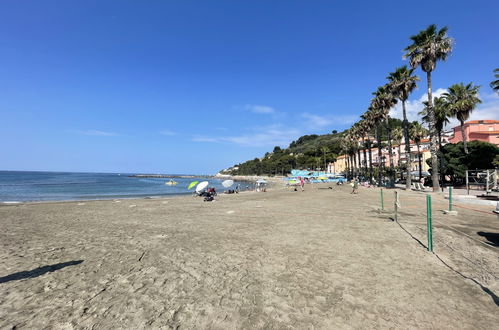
(302, 184)
(355, 186)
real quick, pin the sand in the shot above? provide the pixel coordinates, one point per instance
(281, 259)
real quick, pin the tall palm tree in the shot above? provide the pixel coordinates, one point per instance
(324, 151)
(398, 135)
(402, 83)
(495, 84)
(418, 132)
(442, 114)
(368, 118)
(462, 100)
(364, 130)
(382, 102)
(428, 47)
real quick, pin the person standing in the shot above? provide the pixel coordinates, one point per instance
(302, 184)
(355, 186)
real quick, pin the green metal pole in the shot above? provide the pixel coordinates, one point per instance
(382, 201)
(450, 198)
(428, 217)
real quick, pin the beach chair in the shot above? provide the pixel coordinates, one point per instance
(415, 186)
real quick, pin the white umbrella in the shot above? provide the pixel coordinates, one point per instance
(227, 183)
(261, 181)
(201, 186)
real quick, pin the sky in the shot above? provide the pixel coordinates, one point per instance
(198, 86)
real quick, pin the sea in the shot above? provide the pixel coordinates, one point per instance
(17, 186)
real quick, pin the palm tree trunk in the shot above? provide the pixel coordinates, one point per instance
(465, 142)
(378, 137)
(365, 155)
(433, 137)
(419, 163)
(370, 161)
(347, 158)
(390, 154)
(440, 162)
(398, 160)
(360, 162)
(405, 125)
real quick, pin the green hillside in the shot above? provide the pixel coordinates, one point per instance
(307, 152)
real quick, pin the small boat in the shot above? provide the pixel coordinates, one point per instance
(171, 183)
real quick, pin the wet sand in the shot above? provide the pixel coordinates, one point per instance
(281, 259)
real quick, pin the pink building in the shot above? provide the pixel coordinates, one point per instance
(482, 130)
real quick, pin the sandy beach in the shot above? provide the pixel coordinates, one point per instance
(322, 259)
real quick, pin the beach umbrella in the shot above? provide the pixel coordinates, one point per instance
(192, 184)
(201, 186)
(261, 181)
(227, 183)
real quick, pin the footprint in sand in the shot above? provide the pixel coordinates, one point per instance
(133, 205)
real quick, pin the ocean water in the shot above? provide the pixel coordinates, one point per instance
(56, 186)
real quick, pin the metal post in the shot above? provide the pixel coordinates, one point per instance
(428, 218)
(382, 201)
(396, 205)
(450, 198)
(467, 182)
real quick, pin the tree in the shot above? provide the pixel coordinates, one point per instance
(442, 114)
(495, 84)
(402, 83)
(482, 155)
(428, 47)
(325, 150)
(418, 132)
(398, 134)
(461, 100)
(381, 103)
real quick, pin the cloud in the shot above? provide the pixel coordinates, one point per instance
(261, 109)
(167, 132)
(488, 109)
(94, 132)
(413, 107)
(317, 121)
(264, 136)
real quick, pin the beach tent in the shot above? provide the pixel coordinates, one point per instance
(260, 184)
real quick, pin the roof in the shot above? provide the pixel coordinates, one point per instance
(486, 132)
(486, 121)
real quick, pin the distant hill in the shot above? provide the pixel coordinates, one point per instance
(307, 152)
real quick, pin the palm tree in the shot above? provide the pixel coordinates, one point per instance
(402, 83)
(442, 114)
(325, 150)
(418, 132)
(368, 118)
(462, 100)
(398, 135)
(495, 84)
(382, 103)
(428, 47)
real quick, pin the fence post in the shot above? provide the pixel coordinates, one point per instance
(428, 218)
(396, 204)
(382, 201)
(450, 198)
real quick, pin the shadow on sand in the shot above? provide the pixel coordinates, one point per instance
(38, 271)
(492, 238)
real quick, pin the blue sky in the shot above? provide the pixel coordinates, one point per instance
(197, 86)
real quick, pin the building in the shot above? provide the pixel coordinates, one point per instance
(481, 130)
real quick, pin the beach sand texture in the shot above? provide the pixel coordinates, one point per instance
(281, 259)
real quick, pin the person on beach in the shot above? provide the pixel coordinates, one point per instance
(355, 186)
(302, 184)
